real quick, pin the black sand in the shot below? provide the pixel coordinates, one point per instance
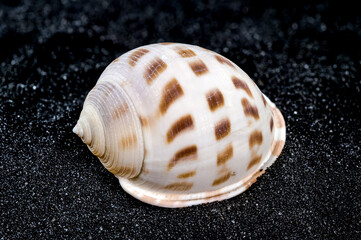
(306, 58)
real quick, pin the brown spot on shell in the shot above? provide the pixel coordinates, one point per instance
(179, 186)
(240, 84)
(185, 52)
(166, 43)
(154, 69)
(198, 67)
(215, 99)
(255, 160)
(222, 128)
(143, 121)
(223, 60)
(135, 56)
(127, 141)
(221, 179)
(271, 124)
(276, 151)
(264, 100)
(225, 155)
(182, 124)
(255, 138)
(249, 110)
(187, 174)
(115, 60)
(187, 153)
(119, 111)
(171, 92)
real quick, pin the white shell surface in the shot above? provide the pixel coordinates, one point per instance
(208, 131)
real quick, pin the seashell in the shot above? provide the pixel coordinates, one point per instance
(180, 125)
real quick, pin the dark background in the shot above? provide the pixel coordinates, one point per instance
(305, 57)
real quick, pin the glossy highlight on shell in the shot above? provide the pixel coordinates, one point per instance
(180, 125)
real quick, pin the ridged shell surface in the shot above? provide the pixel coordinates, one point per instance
(187, 125)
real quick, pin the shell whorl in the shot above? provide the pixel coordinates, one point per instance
(110, 126)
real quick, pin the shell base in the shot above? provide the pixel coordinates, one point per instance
(171, 200)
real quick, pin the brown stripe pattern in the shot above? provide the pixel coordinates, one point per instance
(185, 52)
(198, 67)
(184, 123)
(225, 155)
(143, 121)
(221, 179)
(215, 99)
(128, 141)
(187, 153)
(179, 186)
(255, 160)
(171, 92)
(223, 60)
(120, 111)
(255, 138)
(122, 170)
(222, 129)
(239, 84)
(249, 110)
(186, 174)
(135, 56)
(264, 100)
(155, 68)
(271, 124)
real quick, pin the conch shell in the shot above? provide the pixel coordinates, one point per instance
(180, 125)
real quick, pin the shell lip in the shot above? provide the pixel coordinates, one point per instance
(279, 135)
(173, 200)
